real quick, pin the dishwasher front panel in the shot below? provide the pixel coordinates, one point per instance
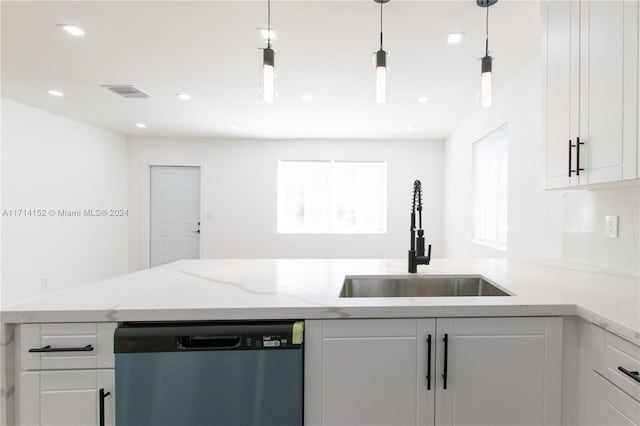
(209, 388)
(241, 386)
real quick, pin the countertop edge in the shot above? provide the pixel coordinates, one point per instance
(318, 313)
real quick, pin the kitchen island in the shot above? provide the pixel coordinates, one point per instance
(549, 306)
(190, 290)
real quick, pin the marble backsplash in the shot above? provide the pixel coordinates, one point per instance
(584, 240)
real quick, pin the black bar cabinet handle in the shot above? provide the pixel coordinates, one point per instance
(633, 374)
(429, 362)
(48, 348)
(445, 339)
(578, 169)
(101, 396)
(570, 148)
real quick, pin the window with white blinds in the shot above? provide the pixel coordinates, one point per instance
(490, 160)
(332, 197)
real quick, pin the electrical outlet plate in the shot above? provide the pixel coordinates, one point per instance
(611, 226)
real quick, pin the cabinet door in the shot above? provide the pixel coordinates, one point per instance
(499, 371)
(367, 372)
(608, 92)
(64, 398)
(561, 32)
(610, 406)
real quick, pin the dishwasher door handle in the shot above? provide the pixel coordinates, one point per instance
(208, 342)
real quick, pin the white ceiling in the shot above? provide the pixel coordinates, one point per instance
(210, 50)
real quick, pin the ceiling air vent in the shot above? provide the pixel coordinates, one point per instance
(127, 90)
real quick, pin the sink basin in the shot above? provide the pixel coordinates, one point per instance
(418, 286)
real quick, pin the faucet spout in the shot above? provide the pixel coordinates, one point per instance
(417, 246)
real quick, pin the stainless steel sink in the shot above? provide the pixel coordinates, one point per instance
(418, 286)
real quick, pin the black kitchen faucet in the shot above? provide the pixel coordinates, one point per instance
(416, 252)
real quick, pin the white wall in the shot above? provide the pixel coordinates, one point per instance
(239, 195)
(51, 162)
(584, 240)
(534, 215)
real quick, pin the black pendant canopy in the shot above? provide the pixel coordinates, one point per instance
(482, 3)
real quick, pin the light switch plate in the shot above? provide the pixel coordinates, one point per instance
(611, 226)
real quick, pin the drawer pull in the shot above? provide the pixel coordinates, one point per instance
(429, 362)
(445, 373)
(633, 374)
(48, 348)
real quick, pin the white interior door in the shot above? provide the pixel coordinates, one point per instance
(174, 214)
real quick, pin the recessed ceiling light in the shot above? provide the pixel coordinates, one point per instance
(408, 128)
(454, 38)
(266, 34)
(184, 96)
(55, 93)
(73, 30)
(306, 97)
(423, 99)
(234, 127)
(141, 125)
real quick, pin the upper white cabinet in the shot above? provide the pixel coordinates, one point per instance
(561, 86)
(460, 371)
(590, 91)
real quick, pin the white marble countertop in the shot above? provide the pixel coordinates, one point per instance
(307, 289)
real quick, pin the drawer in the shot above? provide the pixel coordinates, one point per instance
(612, 353)
(612, 407)
(64, 346)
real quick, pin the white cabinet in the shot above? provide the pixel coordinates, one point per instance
(608, 89)
(367, 372)
(65, 374)
(611, 406)
(561, 111)
(591, 91)
(66, 398)
(609, 383)
(93, 341)
(499, 371)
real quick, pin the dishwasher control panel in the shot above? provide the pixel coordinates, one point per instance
(208, 336)
(273, 341)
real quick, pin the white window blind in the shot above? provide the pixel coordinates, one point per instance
(490, 157)
(332, 197)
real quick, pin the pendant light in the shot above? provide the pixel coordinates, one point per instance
(381, 65)
(486, 71)
(268, 61)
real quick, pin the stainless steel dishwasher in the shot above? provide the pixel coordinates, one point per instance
(209, 374)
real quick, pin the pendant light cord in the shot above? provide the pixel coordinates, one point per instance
(381, 25)
(268, 24)
(487, 28)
